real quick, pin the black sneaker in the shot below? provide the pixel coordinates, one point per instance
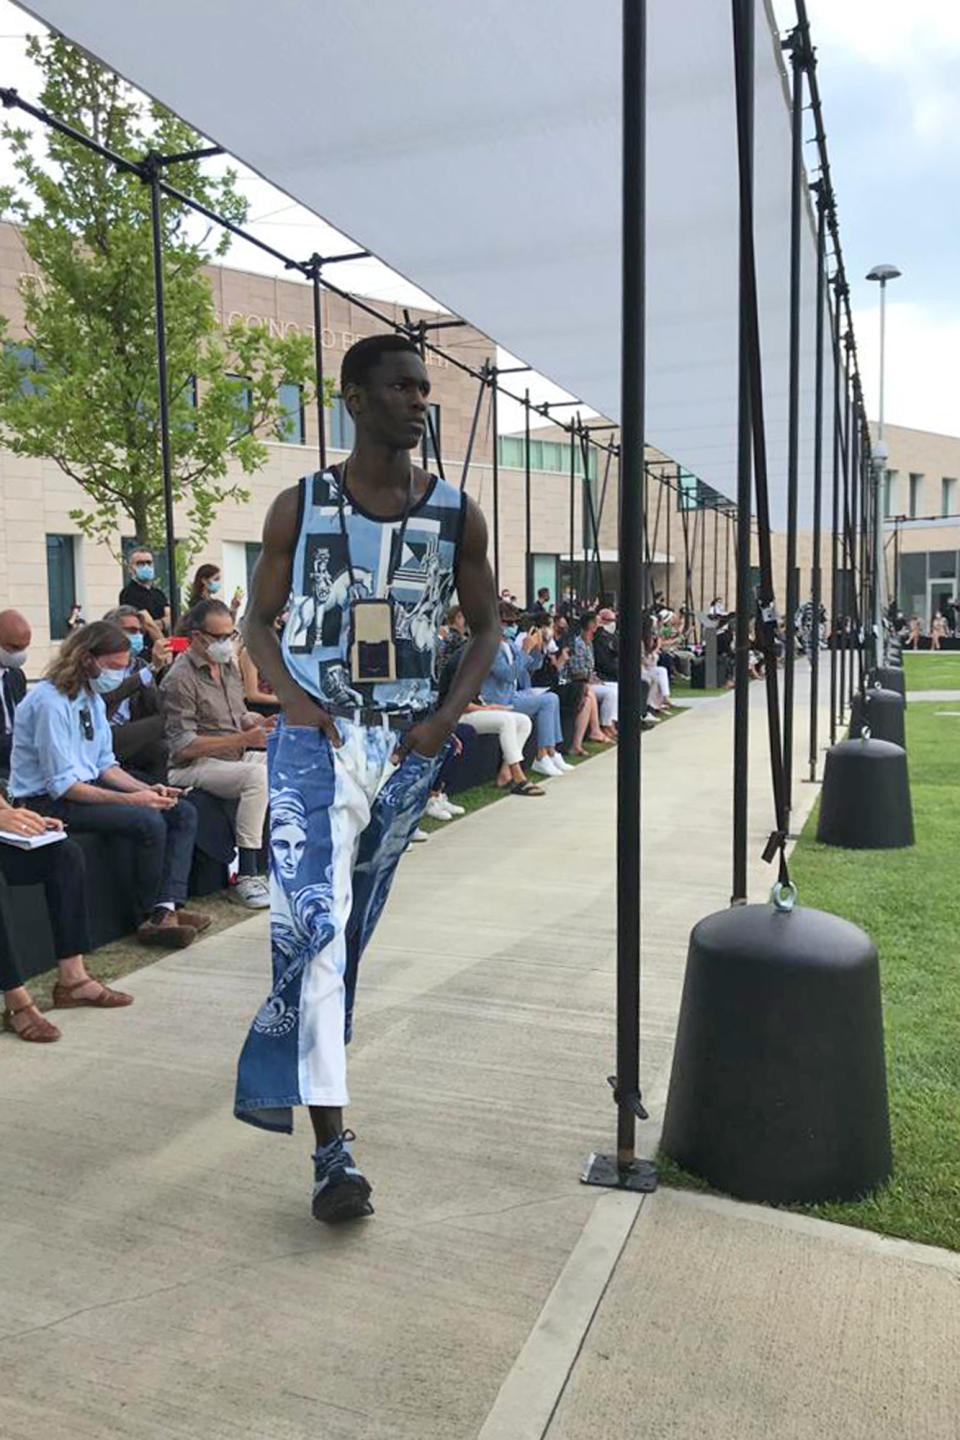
(340, 1190)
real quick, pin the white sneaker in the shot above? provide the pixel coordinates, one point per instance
(419, 836)
(544, 766)
(564, 764)
(251, 891)
(452, 810)
(436, 809)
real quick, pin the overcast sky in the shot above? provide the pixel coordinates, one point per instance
(892, 113)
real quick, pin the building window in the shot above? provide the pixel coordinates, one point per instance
(291, 428)
(889, 488)
(251, 550)
(25, 359)
(549, 457)
(948, 496)
(434, 451)
(342, 430)
(916, 486)
(61, 582)
(241, 385)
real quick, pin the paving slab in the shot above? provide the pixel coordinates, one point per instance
(162, 1276)
(735, 1322)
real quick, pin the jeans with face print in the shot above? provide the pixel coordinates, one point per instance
(339, 821)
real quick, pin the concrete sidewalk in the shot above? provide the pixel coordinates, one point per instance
(162, 1276)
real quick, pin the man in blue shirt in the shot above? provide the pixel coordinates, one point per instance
(63, 764)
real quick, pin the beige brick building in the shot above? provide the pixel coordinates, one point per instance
(922, 506)
(45, 562)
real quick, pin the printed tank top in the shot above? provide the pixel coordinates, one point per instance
(317, 632)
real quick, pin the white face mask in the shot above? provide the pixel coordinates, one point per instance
(220, 651)
(13, 659)
(610, 626)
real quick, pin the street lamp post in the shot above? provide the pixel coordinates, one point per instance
(880, 273)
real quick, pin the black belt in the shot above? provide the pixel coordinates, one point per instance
(393, 719)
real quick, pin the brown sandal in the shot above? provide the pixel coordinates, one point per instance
(65, 998)
(39, 1030)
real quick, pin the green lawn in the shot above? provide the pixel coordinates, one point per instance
(909, 902)
(932, 672)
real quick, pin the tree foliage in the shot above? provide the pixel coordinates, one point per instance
(92, 404)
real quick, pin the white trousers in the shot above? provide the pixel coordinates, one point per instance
(608, 700)
(510, 727)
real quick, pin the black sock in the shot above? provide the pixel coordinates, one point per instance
(249, 861)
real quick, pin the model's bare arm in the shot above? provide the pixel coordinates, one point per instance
(269, 592)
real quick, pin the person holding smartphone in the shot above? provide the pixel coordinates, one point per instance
(63, 765)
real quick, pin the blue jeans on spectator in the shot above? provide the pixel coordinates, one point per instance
(162, 841)
(543, 707)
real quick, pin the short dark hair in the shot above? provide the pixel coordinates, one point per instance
(586, 619)
(508, 613)
(196, 617)
(366, 354)
(544, 590)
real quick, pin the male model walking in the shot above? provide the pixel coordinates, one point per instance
(364, 558)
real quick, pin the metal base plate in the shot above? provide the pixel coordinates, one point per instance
(604, 1170)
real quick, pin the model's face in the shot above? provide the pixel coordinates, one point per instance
(288, 843)
(392, 407)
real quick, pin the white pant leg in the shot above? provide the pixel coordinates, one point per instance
(608, 697)
(663, 680)
(510, 727)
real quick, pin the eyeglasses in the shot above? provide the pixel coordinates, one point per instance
(233, 635)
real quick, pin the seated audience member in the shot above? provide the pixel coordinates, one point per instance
(207, 584)
(606, 647)
(144, 596)
(63, 765)
(455, 636)
(257, 690)
(15, 637)
(75, 618)
(652, 671)
(59, 869)
(216, 743)
(502, 687)
(583, 666)
(512, 730)
(133, 709)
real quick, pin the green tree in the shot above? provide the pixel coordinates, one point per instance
(81, 387)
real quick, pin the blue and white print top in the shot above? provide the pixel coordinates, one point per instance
(317, 633)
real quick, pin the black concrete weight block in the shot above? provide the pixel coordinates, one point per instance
(865, 799)
(778, 1091)
(881, 711)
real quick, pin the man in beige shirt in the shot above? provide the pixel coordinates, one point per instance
(216, 743)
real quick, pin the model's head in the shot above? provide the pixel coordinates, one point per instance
(385, 386)
(141, 565)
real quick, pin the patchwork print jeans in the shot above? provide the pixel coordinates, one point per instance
(339, 822)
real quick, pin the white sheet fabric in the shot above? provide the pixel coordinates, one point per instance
(476, 149)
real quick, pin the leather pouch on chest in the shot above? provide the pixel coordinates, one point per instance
(373, 650)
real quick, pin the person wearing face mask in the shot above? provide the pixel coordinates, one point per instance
(207, 584)
(146, 597)
(216, 743)
(504, 686)
(15, 637)
(133, 708)
(63, 764)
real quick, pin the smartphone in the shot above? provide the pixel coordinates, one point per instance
(179, 643)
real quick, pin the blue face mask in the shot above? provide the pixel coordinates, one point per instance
(510, 631)
(144, 572)
(106, 680)
(213, 587)
(136, 642)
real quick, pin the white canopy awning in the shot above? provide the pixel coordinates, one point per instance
(476, 149)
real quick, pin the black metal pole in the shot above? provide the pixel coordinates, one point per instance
(481, 391)
(528, 527)
(703, 564)
(573, 481)
(496, 477)
(815, 574)
(835, 536)
(632, 578)
(669, 555)
(318, 354)
(743, 14)
(726, 563)
(716, 553)
(848, 503)
(798, 64)
(152, 170)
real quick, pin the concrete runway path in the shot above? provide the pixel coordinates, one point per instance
(162, 1278)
